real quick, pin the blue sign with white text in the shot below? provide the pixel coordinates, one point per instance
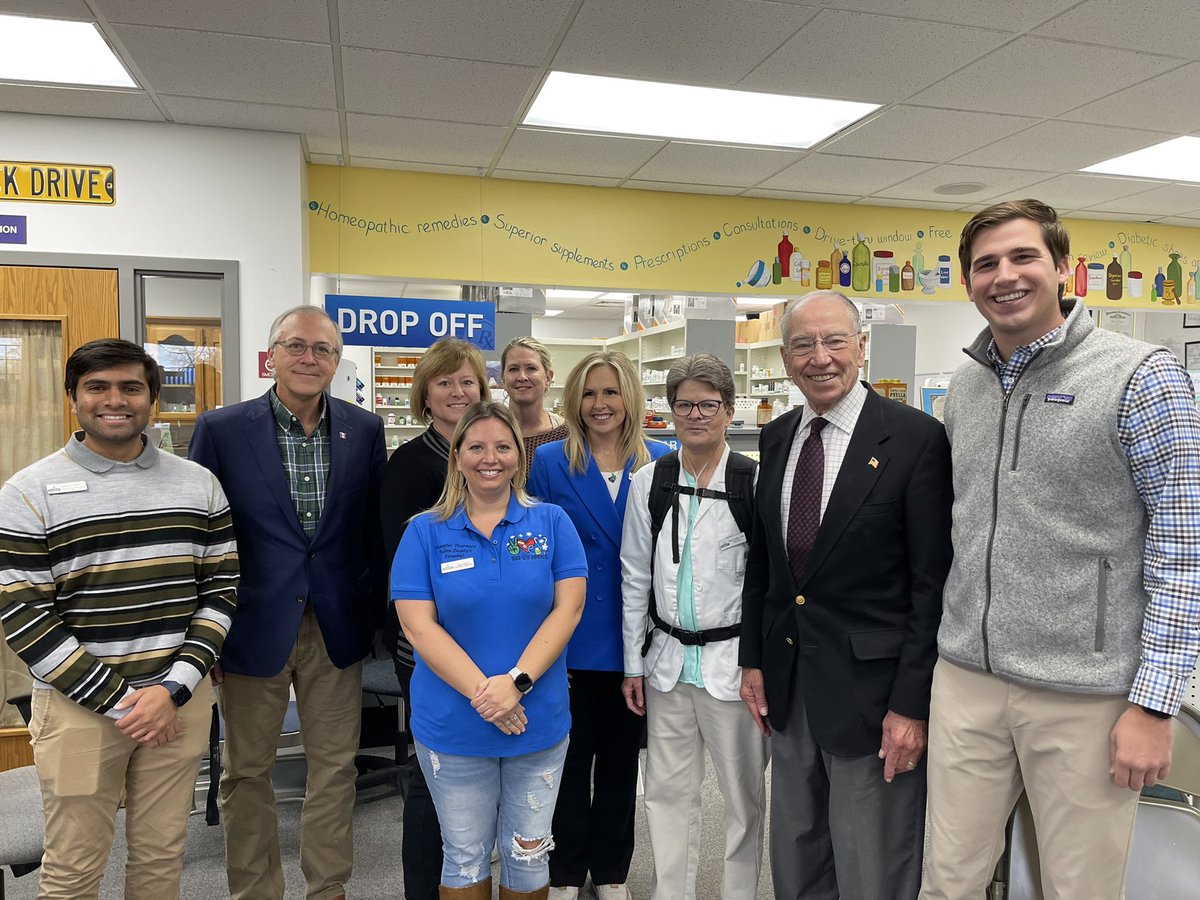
(406, 322)
(12, 229)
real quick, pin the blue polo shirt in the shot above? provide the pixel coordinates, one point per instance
(492, 595)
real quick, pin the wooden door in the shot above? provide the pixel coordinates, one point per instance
(69, 307)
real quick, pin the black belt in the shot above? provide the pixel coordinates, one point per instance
(685, 637)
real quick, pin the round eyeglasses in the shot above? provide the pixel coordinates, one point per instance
(708, 408)
(296, 347)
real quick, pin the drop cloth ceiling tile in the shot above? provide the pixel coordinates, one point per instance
(1182, 221)
(49, 9)
(711, 42)
(557, 177)
(297, 20)
(641, 185)
(515, 31)
(74, 102)
(325, 159)
(915, 203)
(1011, 15)
(1037, 76)
(1109, 216)
(828, 174)
(1168, 200)
(1164, 26)
(681, 162)
(1054, 146)
(229, 67)
(801, 195)
(419, 140)
(565, 153)
(925, 135)
(1078, 191)
(891, 58)
(996, 182)
(415, 167)
(319, 126)
(434, 87)
(1156, 103)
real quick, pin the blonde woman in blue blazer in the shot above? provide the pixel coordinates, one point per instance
(588, 475)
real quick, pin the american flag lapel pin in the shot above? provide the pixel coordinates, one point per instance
(342, 435)
(873, 463)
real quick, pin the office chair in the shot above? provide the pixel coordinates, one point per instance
(379, 682)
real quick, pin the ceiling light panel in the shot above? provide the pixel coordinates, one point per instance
(1177, 160)
(593, 103)
(55, 51)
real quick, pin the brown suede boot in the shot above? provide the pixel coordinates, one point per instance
(507, 893)
(480, 890)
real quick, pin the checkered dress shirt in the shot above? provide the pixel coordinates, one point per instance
(305, 459)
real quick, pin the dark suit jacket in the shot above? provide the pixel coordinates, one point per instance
(596, 643)
(342, 569)
(864, 640)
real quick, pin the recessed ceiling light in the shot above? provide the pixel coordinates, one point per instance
(551, 313)
(658, 109)
(569, 294)
(55, 51)
(1177, 160)
(956, 188)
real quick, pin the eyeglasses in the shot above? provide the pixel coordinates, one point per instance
(708, 408)
(834, 343)
(296, 347)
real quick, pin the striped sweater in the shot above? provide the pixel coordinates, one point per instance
(115, 575)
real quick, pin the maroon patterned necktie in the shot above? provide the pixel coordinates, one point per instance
(804, 514)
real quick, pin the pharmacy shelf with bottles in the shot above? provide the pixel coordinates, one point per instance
(391, 381)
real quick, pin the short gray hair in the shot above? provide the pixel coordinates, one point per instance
(785, 323)
(304, 309)
(701, 367)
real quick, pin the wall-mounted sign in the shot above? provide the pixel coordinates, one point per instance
(47, 182)
(406, 322)
(12, 230)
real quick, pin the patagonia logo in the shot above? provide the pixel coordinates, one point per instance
(1066, 399)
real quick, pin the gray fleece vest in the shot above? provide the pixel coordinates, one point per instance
(1049, 530)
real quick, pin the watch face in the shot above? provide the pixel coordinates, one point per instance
(181, 696)
(523, 683)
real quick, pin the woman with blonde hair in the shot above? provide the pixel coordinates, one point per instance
(527, 372)
(488, 586)
(448, 378)
(588, 475)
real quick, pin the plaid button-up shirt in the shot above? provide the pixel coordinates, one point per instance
(305, 459)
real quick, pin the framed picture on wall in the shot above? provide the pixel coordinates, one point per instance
(1191, 320)
(933, 400)
(1191, 356)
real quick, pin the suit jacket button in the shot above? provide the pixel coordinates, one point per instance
(789, 641)
(799, 599)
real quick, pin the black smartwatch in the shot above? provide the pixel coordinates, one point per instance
(1157, 713)
(523, 682)
(179, 692)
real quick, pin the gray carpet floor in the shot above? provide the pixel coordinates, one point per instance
(377, 872)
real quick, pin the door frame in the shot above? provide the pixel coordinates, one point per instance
(131, 315)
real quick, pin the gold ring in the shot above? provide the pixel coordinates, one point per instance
(911, 764)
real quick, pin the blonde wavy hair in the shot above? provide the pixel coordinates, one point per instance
(633, 446)
(454, 492)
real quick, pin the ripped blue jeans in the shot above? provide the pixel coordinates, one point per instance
(486, 801)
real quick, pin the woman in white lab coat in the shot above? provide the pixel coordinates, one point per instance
(686, 683)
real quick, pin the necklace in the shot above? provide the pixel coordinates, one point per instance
(700, 474)
(612, 477)
(608, 461)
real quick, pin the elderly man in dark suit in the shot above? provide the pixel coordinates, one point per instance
(302, 473)
(842, 599)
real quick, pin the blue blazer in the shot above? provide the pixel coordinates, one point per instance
(341, 569)
(596, 643)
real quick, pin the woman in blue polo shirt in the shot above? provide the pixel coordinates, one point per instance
(588, 475)
(489, 586)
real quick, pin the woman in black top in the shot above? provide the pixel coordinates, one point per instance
(449, 378)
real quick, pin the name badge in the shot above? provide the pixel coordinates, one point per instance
(457, 565)
(67, 487)
(734, 540)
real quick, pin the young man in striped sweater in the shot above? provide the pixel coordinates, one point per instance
(118, 575)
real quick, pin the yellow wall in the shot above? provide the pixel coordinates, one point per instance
(424, 226)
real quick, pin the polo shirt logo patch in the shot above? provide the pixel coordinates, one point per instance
(1065, 399)
(528, 546)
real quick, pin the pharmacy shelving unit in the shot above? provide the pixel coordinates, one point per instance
(391, 383)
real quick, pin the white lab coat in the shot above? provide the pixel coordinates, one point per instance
(719, 553)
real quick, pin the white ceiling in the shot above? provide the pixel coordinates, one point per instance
(1017, 95)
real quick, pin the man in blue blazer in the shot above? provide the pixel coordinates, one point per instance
(302, 473)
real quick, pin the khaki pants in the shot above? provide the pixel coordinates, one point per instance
(84, 761)
(988, 739)
(329, 701)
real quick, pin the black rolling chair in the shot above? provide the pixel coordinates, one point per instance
(379, 684)
(22, 826)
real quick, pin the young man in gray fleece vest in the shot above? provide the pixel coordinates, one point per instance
(1071, 619)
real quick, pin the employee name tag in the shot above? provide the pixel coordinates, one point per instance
(67, 487)
(734, 540)
(457, 565)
